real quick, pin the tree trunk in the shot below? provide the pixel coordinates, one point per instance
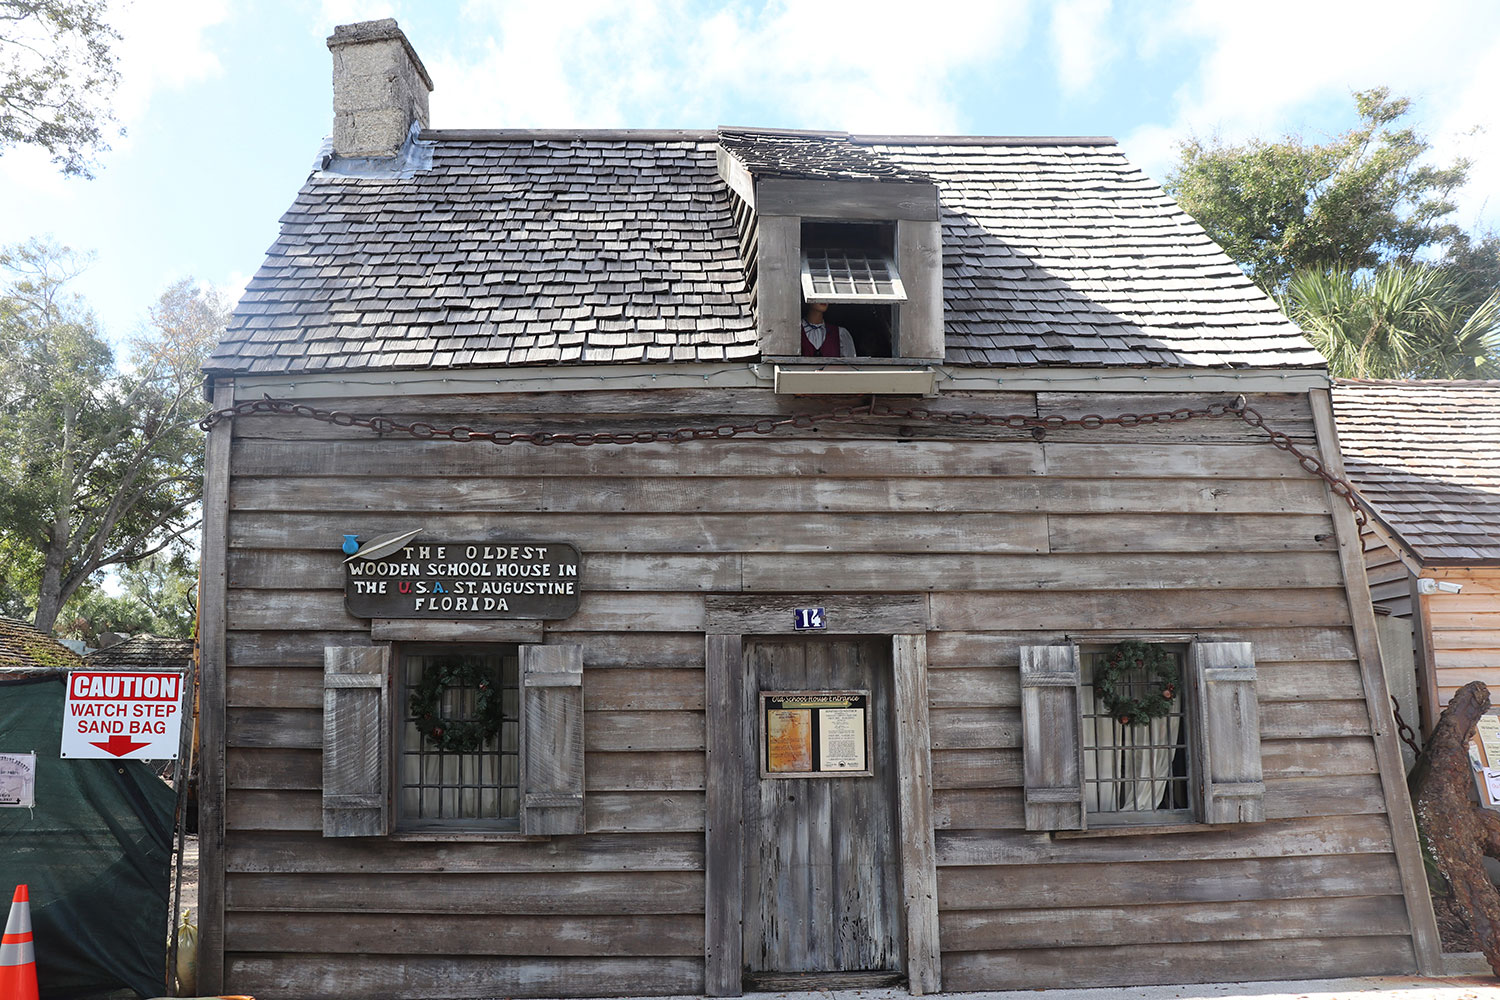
(50, 598)
(1458, 832)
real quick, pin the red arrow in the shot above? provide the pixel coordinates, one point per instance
(119, 745)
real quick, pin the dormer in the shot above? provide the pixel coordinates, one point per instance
(825, 219)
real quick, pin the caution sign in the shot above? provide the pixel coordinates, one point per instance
(122, 714)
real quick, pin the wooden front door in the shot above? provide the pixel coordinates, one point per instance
(823, 882)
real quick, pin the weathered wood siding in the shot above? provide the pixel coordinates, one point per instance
(1389, 578)
(1465, 629)
(1192, 527)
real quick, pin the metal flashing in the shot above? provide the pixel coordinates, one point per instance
(415, 155)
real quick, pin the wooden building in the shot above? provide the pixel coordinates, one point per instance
(796, 658)
(1426, 457)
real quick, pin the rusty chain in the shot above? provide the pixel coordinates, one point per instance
(1038, 426)
(1407, 734)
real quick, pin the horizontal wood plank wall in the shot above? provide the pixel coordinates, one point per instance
(1465, 630)
(1388, 577)
(1186, 527)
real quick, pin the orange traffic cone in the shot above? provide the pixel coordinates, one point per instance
(17, 954)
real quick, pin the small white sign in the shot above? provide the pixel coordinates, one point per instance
(122, 714)
(17, 780)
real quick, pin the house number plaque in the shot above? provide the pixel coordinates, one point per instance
(814, 734)
(465, 580)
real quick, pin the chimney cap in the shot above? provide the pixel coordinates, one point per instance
(381, 30)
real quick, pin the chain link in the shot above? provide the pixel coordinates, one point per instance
(1407, 734)
(1038, 426)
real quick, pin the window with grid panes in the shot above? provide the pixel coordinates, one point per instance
(1135, 772)
(435, 787)
(1200, 764)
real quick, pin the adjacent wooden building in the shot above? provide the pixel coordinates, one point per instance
(1426, 457)
(710, 666)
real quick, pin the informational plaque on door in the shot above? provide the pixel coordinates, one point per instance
(815, 734)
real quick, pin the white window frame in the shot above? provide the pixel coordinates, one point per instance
(851, 260)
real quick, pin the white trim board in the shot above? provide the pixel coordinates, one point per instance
(739, 374)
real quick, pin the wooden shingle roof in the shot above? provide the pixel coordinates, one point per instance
(527, 248)
(24, 649)
(143, 652)
(1426, 455)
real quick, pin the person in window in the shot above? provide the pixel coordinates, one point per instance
(821, 338)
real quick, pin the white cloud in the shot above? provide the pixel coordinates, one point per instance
(232, 287)
(1295, 62)
(162, 47)
(335, 12)
(1082, 43)
(863, 66)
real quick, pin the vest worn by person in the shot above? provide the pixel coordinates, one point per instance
(832, 335)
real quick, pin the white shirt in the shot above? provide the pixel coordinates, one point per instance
(816, 333)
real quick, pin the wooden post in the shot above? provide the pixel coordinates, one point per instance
(724, 829)
(918, 845)
(779, 284)
(1429, 700)
(1424, 932)
(212, 624)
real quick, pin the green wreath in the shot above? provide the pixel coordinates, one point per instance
(457, 735)
(1117, 666)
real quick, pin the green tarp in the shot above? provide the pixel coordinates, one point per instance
(95, 851)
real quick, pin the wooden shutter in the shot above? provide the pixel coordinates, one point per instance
(552, 739)
(356, 740)
(1050, 729)
(1229, 733)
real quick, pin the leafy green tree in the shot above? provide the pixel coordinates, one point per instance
(158, 596)
(100, 465)
(1360, 200)
(57, 70)
(1401, 321)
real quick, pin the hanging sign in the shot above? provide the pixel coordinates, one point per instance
(815, 734)
(134, 714)
(17, 780)
(465, 580)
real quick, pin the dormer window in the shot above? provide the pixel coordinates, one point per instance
(827, 220)
(851, 268)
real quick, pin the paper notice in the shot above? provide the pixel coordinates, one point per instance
(789, 740)
(1492, 783)
(17, 780)
(841, 734)
(1488, 729)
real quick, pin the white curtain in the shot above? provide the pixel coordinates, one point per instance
(1140, 757)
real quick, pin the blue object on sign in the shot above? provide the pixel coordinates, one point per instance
(351, 544)
(809, 618)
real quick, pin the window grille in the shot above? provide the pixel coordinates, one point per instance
(482, 787)
(1137, 769)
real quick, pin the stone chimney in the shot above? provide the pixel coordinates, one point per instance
(379, 88)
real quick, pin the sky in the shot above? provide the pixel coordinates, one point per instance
(225, 104)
